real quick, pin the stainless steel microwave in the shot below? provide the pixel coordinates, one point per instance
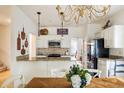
(54, 44)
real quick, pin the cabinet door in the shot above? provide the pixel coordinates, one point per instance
(119, 37)
(102, 66)
(42, 42)
(111, 68)
(113, 37)
(65, 42)
(62, 66)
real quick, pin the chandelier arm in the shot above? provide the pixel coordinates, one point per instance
(67, 20)
(101, 11)
(77, 21)
(73, 12)
(93, 15)
(71, 17)
(103, 14)
(63, 15)
(69, 11)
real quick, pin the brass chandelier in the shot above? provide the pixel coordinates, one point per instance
(75, 12)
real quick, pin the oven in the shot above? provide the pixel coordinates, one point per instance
(54, 44)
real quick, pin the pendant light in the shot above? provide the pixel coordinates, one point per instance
(62, 26)
(38, 13)
(62, 22)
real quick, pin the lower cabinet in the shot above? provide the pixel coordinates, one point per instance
(60, 65)
(40, 68)
(106, 66)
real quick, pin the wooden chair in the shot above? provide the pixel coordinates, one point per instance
(94, 72)
(14, 82)
(119, 69)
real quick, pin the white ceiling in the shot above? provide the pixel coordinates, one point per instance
(49, 15)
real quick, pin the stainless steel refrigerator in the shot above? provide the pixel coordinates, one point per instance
(96, 50)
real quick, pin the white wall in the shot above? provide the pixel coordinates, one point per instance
(5, 45)
(91, 29)
(19, 19)
(72, 31)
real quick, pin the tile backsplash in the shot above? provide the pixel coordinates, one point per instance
(117, 51)
(47, 51)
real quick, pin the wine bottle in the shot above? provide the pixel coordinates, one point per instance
(26, 43)
(18, 42)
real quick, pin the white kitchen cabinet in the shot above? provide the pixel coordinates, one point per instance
(114, 37)
(65, 42)
(65, 65)
(102, 66)
(42, 41)
(106, 66)
(41, 68)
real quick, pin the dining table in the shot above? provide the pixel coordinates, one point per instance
(41, 82)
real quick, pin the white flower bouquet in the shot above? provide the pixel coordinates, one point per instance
(78, 77)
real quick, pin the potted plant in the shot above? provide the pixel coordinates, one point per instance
(78, 77)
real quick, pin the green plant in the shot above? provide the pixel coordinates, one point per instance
(76, 70)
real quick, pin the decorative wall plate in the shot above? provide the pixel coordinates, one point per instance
(44, 31)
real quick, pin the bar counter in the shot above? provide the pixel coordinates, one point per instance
(26, 58)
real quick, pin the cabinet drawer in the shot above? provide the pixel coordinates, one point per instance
(119, 62)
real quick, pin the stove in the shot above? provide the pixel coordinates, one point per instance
(54, 55)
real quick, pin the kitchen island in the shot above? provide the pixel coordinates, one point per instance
(43, 66)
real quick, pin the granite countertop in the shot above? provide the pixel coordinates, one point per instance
(112, 57)
(26, 58)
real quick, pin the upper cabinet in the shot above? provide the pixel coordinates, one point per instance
(42, 41)
(114, 37)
